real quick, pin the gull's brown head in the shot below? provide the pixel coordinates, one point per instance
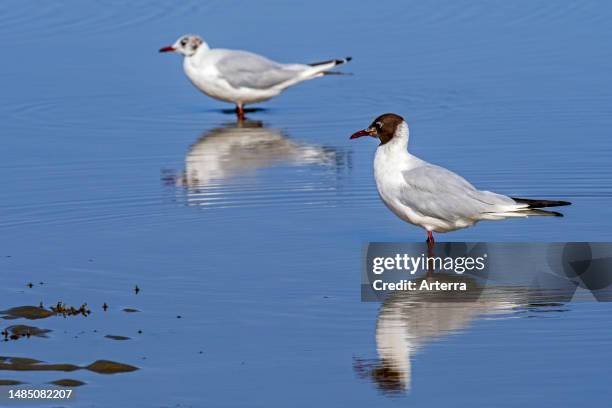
(383, 127)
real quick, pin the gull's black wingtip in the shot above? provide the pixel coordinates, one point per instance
(531, 203)
(336, 62)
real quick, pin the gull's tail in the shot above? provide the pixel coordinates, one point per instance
(304, 72)
(537, 211)
(534, 207)
(528, 207)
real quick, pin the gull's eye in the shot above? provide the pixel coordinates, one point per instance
(184, 42)
(379, 125)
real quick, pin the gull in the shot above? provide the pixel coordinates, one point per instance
(431, 196)
(241, 77)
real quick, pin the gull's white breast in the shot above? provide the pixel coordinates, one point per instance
(390, 162)
(388, 168)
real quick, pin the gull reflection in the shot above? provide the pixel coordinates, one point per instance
(408, 320)
(244, 147)
(224, 169)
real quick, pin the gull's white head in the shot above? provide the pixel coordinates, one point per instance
(187, 45)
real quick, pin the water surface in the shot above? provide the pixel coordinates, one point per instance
(116, 173)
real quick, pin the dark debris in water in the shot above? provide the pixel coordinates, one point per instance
(67, 382)
(30, 364)
(9, 382)
(130, 310)
(26, 312)
(65, 310)
(110, 367)
(21, 330)
(40, 312)
(115, 337)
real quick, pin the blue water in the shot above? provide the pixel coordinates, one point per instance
(262, 261)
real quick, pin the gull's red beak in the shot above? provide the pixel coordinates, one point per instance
(167, 49)
(364, 132)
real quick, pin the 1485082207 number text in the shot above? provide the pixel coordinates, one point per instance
(39, 394)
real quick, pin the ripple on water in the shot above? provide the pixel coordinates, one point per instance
(82, 113)
(26, 21)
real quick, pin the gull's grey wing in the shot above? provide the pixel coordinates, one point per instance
(248, 70)
(437, 192)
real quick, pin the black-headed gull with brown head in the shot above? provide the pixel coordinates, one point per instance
(431, 196)
(241, 77)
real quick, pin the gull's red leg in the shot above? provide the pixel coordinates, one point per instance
(430, 239)
(240, 112)
(430, 252)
